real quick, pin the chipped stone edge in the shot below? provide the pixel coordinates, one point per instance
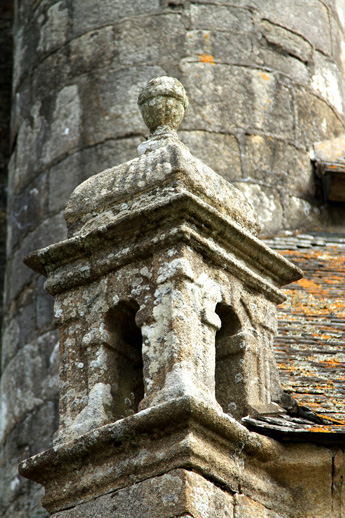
(230, 247)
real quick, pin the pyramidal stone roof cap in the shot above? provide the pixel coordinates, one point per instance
(163, 192)
(164, 164)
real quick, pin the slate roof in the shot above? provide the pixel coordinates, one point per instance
(310, 344)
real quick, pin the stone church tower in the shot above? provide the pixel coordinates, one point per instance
(266, 86)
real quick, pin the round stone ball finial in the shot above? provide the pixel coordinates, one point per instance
(163, 102)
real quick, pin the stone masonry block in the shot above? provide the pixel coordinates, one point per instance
(31, 410)
(245, 507)
(44, 308)
(92, 50)
(241, 98)
(221, 46)
(51, 75)
(289, 66)
(178, 493)
(338, 43)
(24, 371)
(23, 54)
(270, 215)
(90, 14)
(117, 119)
(28, 149)
(18, 274)
(54, 25)
(328, 82)
(277, 163)
(301, 213)
(221, 17)
(10, 340)
(85, 163)
(316, 120)
(21, 104)
(20, 497)
(220, 151)
(27, 211)
(307, 19)
(151, 40)
(340, 11)
(285, 40)
(65, 125)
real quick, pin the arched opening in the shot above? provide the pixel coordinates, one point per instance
(126, 341)
(229, 360)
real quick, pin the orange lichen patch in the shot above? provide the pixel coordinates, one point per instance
(331, 363)
(333, 279)
(335, 421)
(310, 346)
(265, 76)
(206, 37)
(323, 429)
(206, 58)
(307, 283)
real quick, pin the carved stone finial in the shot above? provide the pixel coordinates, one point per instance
(162, 103)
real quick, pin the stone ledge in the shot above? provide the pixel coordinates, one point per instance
(179, 492)
(184, 433)
(179, 218)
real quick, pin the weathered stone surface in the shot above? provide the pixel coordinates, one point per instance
(85, 52)
(49, 76)
(310, 20)
(218, 46)
(92, 50)
(17, 332)
(65, 127)
(6, 23)
(207, 442)
(302, 213)
(221, 17)
(84, 164)
(248, 97)
(340, 12)
(27, 211)
(175, 193)
(91, 15)
(284, 40)
(28, 371)
(316, 120)
(54, 26)
(162, 104)
(170, 495)
(274, 163)
(224, 150)
(328, 82)
(28, 150)
(267, 199)
(287, 65)
(100, 95)
(151, 40)
(247, 508)
(338, 43)
(18, 276)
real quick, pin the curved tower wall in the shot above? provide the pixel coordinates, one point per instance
(265, 79)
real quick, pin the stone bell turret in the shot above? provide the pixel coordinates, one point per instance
(165, 300)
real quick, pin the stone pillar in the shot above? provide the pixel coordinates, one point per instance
(165, 300)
